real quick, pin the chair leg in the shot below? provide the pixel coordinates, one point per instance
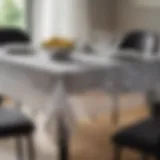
(31, 149)
(115, 111)
(117, 153)
(63, 146)
(19, 148)
(63, 141)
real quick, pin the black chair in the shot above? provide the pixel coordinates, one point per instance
(14, 124)
(139, 40)
(143, 136)
(13, 35)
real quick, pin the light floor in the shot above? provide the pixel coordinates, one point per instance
(91, 139)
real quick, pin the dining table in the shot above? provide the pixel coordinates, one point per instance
(42, 84)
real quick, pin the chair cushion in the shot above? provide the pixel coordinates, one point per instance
(13, 122)
(144, 136)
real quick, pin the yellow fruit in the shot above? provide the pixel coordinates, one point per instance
(58, 42)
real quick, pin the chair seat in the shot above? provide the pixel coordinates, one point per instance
(13, 122)
(144, 136)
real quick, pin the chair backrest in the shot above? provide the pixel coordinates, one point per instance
(143, 41)
(13, 35)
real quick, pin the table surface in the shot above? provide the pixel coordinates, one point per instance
(94, 60)
(41, 62)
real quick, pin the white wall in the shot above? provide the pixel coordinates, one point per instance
(131, 17)
(83, 17)
(74, 20)
(71, 18)
(66, 18)
(102, 14)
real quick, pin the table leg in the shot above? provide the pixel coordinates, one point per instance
(61, 112)
(63, 140)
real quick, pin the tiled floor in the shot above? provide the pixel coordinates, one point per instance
(91, 137)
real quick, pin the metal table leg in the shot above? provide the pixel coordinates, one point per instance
(60, 112)
(63, 140)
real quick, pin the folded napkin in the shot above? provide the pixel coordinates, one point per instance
(19, 49)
